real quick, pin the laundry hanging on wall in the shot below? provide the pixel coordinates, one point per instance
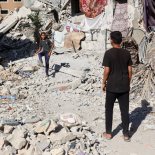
(149, 13)
(120, 22)
(92, 8)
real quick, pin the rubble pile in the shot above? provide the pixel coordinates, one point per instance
(34, 118)
(68, 135)
(143, 84)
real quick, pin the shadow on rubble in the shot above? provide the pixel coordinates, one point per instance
(14, 48)
(137, 116)
(56, 68)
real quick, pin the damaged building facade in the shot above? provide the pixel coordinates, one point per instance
(7, 6)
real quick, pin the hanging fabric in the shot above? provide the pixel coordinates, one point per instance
(92, 8)
(149, 13)
(120, 22)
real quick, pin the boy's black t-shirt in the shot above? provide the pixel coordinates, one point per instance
(118, 60)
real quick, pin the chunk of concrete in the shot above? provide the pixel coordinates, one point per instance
(8, 129)
(42, 126)
(59, 151)
(61, 137)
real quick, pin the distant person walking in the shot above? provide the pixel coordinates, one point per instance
(116, 82)
(45, 49)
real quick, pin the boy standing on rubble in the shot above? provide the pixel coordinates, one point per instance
(116, 81)
(45, 49)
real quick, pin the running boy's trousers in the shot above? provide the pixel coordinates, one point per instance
(47, 58)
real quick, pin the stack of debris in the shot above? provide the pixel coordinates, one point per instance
(68, 135)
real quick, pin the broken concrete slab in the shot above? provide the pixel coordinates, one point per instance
(52, 126)
(2, 141)
(70, 119)
(42, 145)
(9, 22)
(8, 129)
(17, 142)
(42, 126)
(59, 151)
(61, 137)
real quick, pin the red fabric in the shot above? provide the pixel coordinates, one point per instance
(92, 8)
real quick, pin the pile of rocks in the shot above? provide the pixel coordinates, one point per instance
(66, 136)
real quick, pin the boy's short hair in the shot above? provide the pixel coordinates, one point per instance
(116, 37)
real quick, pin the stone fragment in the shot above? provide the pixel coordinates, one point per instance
(59, 151)
(30, 151)
(1, 68)
(19, 132)
(17, 138)
(28, 69)
(70, 119)
(61, 137)
(42, 126)
(8, 151)
(41, 137)
(2, 141)
(14, 91)
(52, 126)
(4, 91)
(8, 129)
(75, 129)
(17, 142)
(42, 145)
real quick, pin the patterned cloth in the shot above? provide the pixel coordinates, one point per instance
(92, 8)
(120, 22)
(149, 13)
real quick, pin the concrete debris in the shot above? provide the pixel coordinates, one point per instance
(12, 20)
(42, 126)
(8, 129)
(2, 141)
(1, 68)
(45, 115)
(59, 151)
(70, 119)
(25, 141)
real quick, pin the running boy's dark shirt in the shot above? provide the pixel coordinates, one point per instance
(118, 60)
(46, 45)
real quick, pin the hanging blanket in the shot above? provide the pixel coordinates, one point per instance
(149, 13)
(120, 22)
(92, 8)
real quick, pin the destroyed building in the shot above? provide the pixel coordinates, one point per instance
(35, 121)
(7, 6)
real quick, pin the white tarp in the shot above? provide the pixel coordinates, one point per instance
(104, 20)
(59, 38)
(92, 23)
